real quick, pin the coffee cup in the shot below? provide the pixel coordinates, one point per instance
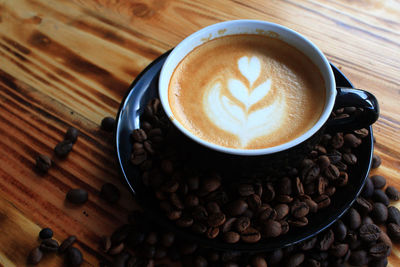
(256, 88)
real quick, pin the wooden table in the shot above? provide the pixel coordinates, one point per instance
(69, 63)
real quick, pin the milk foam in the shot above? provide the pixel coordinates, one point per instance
(239, 120)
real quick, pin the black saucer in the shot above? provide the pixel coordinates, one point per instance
(144, 88)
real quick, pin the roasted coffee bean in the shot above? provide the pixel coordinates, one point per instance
(211, 183)
(237, 207)
(299, 209)
(268, 193)
(212, 232)
(63, 148)
(343, 179)
(337, 141)
(200, 261)
(284, 198)
(77, 196)
(380, 196)
(105, 244)
(379, 250)
(43, 163)
(45, 233)
(299, 222)
(298, 188)
(335, 156)
(275, 257)
(218, 196)
(311, 174)
(325, 240)
(139, 135)
(121, 259)
(295, 260)
(367, 220)
(368, 189)
(110, 193)
(384, 238)
(363, 205)
(332, 172)
(378, 181)
(241, 224)
(167, 239)
(308, 244)
(339, 250)
(138, 156)
(231, 237)
(267, 213)
(254, 202)
(392, 193)
(331, 190)
(369, 233)
(191, 201)
(393, 230)
(322, 201)
(250, 235)
(258, 261)
(379, 212)
(352, 240)
(361, 133)
(312, 205)
(340, 230)
(393, 215)
(49, 245)
(354, 218)
(350, 158)
(376, 161)
(282, 210)
(245, 190)
(213, 207)
(35, 256)
(108, 124)
(378, 262)
(323, 162)
(351, 140)
(358, 258)
(285, 186)
(228, 225)
(284, 226)
(216, 219)
(198, 228)
(71, 134)
(116, 249)
(322, 183)
(67, 243)
(271, 228)
(176, 201)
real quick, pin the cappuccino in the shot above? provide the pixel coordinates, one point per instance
(247, 91)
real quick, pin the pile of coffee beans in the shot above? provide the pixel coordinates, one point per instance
(358, 239)
(199, 197)
(73, 256)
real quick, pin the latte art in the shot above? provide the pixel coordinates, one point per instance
(238, 119)
(246, 91)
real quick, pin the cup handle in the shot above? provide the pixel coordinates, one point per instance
(351, 97)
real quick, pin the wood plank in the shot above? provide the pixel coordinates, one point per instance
(69, 63)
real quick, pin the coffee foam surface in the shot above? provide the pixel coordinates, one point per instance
(246, 91)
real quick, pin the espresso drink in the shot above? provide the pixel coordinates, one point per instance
(246, 91)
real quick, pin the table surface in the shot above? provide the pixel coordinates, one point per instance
(69, 63)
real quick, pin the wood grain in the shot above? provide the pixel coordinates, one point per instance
(68, 63)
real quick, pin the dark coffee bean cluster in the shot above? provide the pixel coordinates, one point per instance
(197, 196)
(48, 245)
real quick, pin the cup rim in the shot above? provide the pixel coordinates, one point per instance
(164, 81)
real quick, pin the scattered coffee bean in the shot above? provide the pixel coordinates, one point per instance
(354, 218)
(63, 148)
(378, 181)
(77, 196)
(71, 134)
(393, 230)
(392, 193)
(368, 189)
(379, 250)
(43, 163)
(250, 235)
(358, 258)
(108, 124)
(45, 233)
(340, 230)
(379, 212)
(339, 250)
(74, 257)
(393, 215)
(110, 193)
(67, 243)
(49, 245)
(369, 233)
(326, 240)
(380, 196)
(376, 161)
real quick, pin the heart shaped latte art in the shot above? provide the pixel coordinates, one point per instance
(238, 119)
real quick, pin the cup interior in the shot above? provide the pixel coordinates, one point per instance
(249, 27)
